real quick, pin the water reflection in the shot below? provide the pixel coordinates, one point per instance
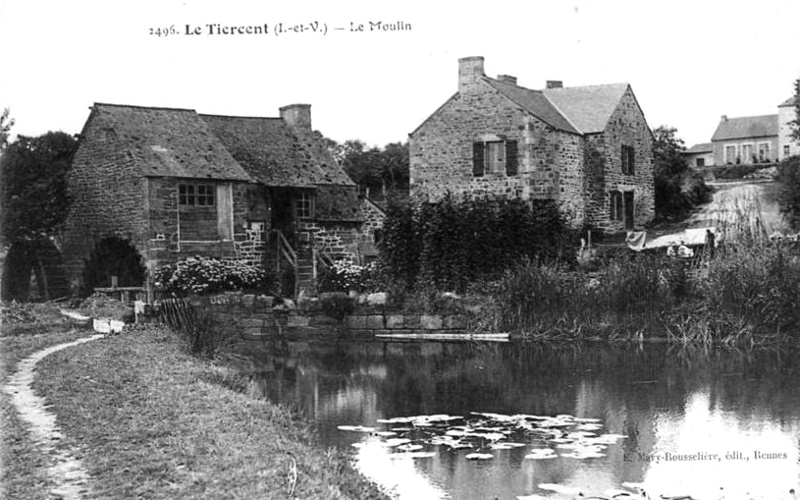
(678, 408)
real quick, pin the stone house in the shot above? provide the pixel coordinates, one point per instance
(589, 148)
(700, 155)
(172, 184)
(749, 140)
(745, 140)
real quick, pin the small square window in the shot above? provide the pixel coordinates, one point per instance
(196, 194)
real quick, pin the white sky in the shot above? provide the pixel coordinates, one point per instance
(689, 61)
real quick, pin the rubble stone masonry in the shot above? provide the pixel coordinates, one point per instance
(111, 198)
(550, 162)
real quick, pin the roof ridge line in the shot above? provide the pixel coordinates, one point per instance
(510, 98)
(137, 106)
(246, 117)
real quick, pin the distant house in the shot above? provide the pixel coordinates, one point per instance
(171, 184)
(589, 148)
(700, 155)
(787, 113)
(750, 140)
(746, 140)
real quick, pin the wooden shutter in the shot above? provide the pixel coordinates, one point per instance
(477, 158)
(224, 211)
(511, 158)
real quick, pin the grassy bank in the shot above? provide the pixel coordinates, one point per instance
(151, 421)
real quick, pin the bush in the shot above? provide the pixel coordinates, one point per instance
(449, 244)
(789, 178)
(344, 276)
(204, 334)
(731, 172)
(337, 305)
(201, 275)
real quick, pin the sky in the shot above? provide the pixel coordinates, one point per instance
(688, 62)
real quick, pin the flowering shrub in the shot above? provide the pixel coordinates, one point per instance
(344, 276)
(200, 275)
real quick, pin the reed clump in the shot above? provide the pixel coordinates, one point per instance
(745, 292)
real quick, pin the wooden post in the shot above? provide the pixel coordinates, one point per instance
(114, 281)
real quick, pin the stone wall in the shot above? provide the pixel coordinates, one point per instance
(550, 162)
(786, 115)
(627, 126)
(108, 198)
(720, 160)
(166, 245)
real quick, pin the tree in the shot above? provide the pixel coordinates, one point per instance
(377, 169)
(678, 189)
(34, 198)
(796, 122)
(5, 127)
(34, 203)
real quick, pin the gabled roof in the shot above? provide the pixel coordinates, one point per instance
(589, 107)
(276, 154)
(703, 147)
(165, 142)
(535, 103)
(746, 127)
(792, 101)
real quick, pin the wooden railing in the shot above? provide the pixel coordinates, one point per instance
(285, 250)
(125, 294)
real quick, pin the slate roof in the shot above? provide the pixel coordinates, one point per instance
(166, 142)
(792, 101)
(703, 147)
(534, 102)
(275, 154)
(746, 127)
(589, 107)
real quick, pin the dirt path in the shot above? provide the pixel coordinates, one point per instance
(66, 471)
(741, 201)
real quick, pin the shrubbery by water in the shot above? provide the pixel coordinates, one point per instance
(749, 293)
(452, 243)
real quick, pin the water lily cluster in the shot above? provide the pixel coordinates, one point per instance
(199, 275)
(481, 435)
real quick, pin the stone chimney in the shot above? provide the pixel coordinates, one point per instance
(554, 84)
(507, 79)
(470, 71)
(297, 116)
(724, 118)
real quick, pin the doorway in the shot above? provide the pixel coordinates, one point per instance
(628, 209)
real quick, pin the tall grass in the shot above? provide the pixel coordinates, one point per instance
(205, 335)
(626, 299)
(747, 293)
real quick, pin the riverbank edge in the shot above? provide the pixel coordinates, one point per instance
(149, 420)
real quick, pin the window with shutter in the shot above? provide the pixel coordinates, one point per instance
(495, 157)
(615, 208)
(511, 158)
(628, 159)
(477, 159)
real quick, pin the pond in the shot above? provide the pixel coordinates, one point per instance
(509, 420)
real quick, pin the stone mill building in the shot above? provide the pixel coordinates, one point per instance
(151, 186)
(589, 148)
